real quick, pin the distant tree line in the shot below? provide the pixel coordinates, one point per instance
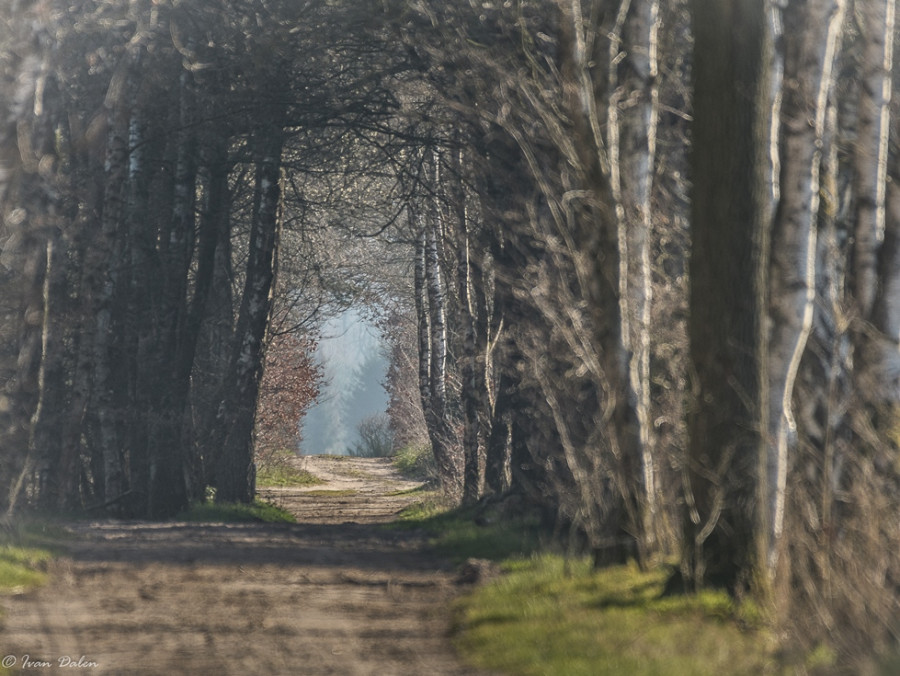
(650, 251)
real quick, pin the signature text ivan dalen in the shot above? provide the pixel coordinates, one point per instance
(64, 662)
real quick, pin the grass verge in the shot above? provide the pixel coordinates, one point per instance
(548, 615)
(26, 548)
(456, 535)
(278, 471)
(258, 510)
(416, 463)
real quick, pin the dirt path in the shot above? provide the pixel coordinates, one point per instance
(329, 595)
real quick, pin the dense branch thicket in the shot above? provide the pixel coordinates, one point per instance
(637, 263)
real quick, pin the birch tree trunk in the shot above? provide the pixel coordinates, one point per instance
(871, 149)
(33, 219)
(423, 331)
(436, 417)
(808, 64)
(467, 359)
(874, 273)
(725, 483)
(885, 360)
(633, 117)
(593, 235)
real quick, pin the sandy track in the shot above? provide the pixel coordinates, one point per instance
(333, 594)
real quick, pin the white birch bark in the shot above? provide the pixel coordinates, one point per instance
(633, 117)
(876, 18)
(422, 328)
(885, 346)
(437, 324)
(589, 232)
(808, 64)
(466, 318)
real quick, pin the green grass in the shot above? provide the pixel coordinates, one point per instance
(21, 568)
(255, 511)
(454, 533)
(423, 491)
(550, 616)
(26, 547)
(416, 462)
(278, 472)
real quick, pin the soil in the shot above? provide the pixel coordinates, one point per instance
(332, 594)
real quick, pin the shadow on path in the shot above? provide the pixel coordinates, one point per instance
(304, 599)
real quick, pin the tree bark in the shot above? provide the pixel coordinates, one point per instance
(468, 358)
(592, 232)
(236, 471)
(870, 149)
(173, 351)
(808, 65)
(724, 483)
(885, 357)
(633, 113)
(436, 416)
(108, 400)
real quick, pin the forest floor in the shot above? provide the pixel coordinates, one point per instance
(332, 594)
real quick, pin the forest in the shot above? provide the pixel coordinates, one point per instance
(637, 262)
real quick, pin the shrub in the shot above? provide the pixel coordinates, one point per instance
(375, 438)
(416, 462)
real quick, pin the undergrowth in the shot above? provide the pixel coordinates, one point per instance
(416, 463)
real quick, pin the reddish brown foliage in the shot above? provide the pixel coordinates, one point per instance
(289, 386)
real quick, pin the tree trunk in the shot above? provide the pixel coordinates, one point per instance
(436, 416)
(108, 403)
(468, 358)
(871, 148)
(173, 355)
(724, 482)
(808, 64)
(885, 358)
(633, 113)
(236, 471)
(593, 235)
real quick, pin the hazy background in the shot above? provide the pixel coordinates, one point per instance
(354, 367)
